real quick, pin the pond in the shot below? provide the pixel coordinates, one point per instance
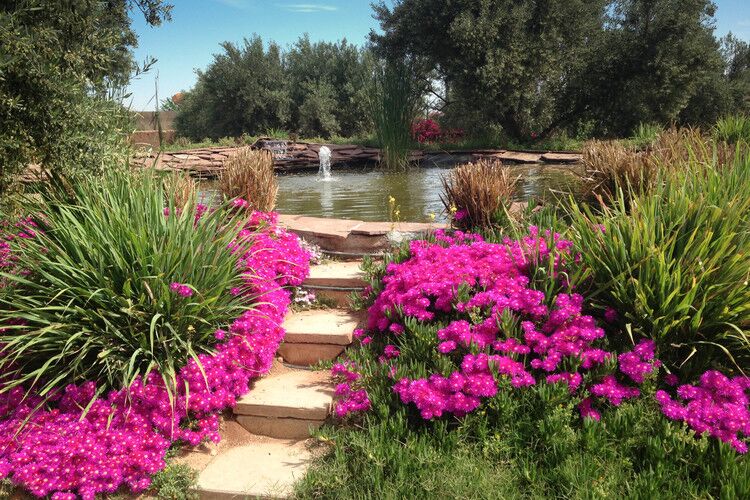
(363, 193)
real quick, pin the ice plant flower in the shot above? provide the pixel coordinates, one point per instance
(51, 446)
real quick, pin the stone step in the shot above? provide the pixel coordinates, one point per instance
(336, 274)
(287, 404)
(244, 465)
(317, 335)
(336, 281)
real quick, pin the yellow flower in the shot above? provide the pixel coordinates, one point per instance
(432, 217)
(391, 200)
(454, 209)
(397, 213)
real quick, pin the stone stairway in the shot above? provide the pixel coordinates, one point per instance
(265, 446)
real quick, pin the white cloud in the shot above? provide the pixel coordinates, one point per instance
(237, 4)
(309, 7)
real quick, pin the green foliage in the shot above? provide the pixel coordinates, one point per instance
(96, 303)
(645, 134)
(394, 106)
(317, 89)
(526, 443)
(59, 61)
(241, 91)
(175, 482)
(673, 263)
(733, 129)
(599, 66)
(327, 83)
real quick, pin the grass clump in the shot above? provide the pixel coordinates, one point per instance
(611, 166)
(249, 174)
(115, 284)
(733, 129)
(478, 194)
(673, 261)
(175, 482)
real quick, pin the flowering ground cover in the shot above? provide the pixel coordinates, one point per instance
(81, 438)
(487, 351)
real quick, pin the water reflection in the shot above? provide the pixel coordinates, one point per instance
(363, 193)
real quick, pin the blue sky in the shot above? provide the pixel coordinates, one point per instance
(199, 26)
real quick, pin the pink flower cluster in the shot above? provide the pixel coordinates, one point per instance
(428, 130)
(718, 405)
(495, 324)
(349, 398)
(182, 290)
(78, 443)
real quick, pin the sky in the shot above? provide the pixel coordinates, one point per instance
(197, 28)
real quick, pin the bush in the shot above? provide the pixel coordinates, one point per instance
(610, 166)
(249, 174)
(99, 300)
(673, 263)
(645, 134)
(733, 129)
(478, 194)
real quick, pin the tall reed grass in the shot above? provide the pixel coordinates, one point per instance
(733, 129)
(394, 106)
(674, 262)
(249, 174)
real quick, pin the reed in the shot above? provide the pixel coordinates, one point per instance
(249, 174)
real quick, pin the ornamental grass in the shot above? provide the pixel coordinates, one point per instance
(94, 299)
(611, 166)
(674, 263)
(479, 194)
(249, 174)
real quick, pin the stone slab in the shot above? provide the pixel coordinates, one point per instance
(336, 274)
(562, 157)
(266, 469)
(321, 326)
(279, 428)
(318, 226)
(309, 354)
(302, 394)
(519, 157)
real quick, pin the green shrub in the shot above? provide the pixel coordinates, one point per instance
(97, 303)
(175, 482)
(645, 134)
(733, 129)
(675, 263)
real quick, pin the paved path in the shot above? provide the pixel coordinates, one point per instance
(266, 445)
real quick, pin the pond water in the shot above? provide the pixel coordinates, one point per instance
(363, 193)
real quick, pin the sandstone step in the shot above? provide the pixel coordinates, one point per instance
(286, 404)
(336, 274)
(267, 468)
(316, 335)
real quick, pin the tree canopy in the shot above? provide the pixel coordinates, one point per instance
(534, 67)
(60, 61)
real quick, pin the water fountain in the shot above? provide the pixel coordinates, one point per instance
(324, 171)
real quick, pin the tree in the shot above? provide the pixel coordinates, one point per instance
(331, 80)
(508, 62)
(242, 91)
(545, 65)
(655, 56)
(60, 63)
